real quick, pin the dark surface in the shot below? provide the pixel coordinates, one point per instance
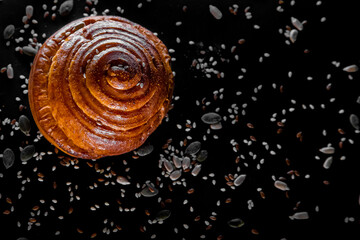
(336, 39)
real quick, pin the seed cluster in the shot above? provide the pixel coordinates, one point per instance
(253, 146)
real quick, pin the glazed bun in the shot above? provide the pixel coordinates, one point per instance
(100, 86)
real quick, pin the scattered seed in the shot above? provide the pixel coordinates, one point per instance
(24, 124)
(328, 162)
(354, 120)
(281, 185)
(296, 23)
(46, 14)
(163, 215)
(66, 7)
(327, 150)
(293, 35)
(193, 148)
(9, 31)
(216, 126)
(25, 20)
(239, 180)
(202, 156)
(351, 68)
(10, 71)
(175, 175)
(217, 14)
(29, 10)
(236, 223)
(27, 153)
(145, 150)
(299, 216)
(149, 190)
(177, 161)
(122, 180)
(8, 158)
(211, 118)
(241, 41)
(168, 166)
(29, 50)
(186, 163)
(196, 170)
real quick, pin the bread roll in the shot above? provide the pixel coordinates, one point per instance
(100, 86)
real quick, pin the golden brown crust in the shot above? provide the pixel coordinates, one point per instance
(100, 86)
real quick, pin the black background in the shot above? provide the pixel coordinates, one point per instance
(336, 39)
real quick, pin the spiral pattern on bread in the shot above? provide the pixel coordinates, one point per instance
(100, 86)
